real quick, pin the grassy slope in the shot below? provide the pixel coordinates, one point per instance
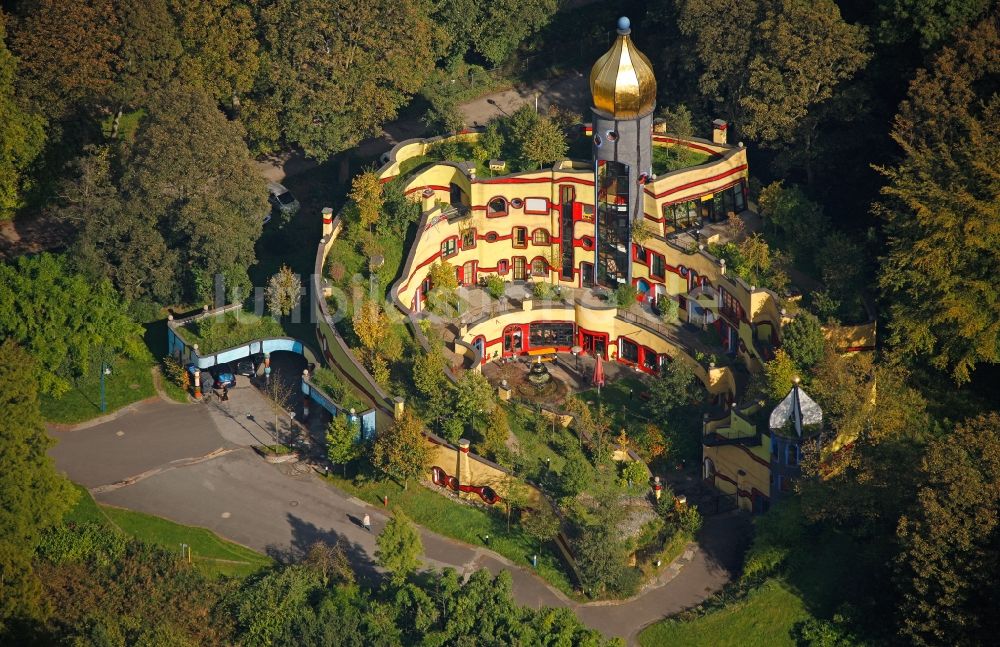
(764, 619)
(211, 554)
(83, 400)
(462, 522)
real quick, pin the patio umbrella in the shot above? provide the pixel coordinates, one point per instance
(599, 373)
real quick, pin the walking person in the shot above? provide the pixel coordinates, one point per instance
(367, 523)
(225, 394)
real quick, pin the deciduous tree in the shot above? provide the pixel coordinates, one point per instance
(544, 144)
(205, 196)
(780, 374)
(541, 523)
(284, 291)
(802, 339)
(23, 134)
(343, 444)
(399, 547)
(35, 496)
(68, 53)
(147, 55)
(220, 43)
(940, 210)
(349, 67)
(803, 50)
(949, 567)
(366, 192)
(402, 451)
(674, 388)
(64, 320)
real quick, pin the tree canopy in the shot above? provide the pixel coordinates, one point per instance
(399, 547)
(23, 133)
(161, 220)
(68, 323)
(35, 496)
(941, 211)
(349, 67)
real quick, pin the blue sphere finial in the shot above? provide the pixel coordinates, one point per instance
(624, 24)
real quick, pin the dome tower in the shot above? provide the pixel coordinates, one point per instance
(624, 94)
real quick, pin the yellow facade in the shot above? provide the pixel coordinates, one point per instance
(512, 226)
(736, 458)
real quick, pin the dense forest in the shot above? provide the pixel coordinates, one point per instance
(129, 129)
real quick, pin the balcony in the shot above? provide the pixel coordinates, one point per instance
(726, 436)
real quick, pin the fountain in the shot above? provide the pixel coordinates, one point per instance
(538, 385)
(539, 375)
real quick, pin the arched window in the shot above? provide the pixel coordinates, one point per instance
(496, 208)
(540, 237)
(709, 469)
(539, 267)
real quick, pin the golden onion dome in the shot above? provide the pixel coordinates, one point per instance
(622, 81)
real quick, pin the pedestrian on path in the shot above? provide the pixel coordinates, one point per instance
(225, 394)
(367, 523)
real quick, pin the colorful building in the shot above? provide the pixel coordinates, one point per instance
(574, 225)
(571, 225)
(757, 459)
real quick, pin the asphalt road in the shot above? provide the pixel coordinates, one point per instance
(174, 461)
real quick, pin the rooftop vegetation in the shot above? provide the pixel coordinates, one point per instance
(214, 333)
(673, 157)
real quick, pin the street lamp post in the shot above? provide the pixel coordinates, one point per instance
(105, 370)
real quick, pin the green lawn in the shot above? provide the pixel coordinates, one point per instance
(211, 554)
(465, 523)
(672, 158)
(764, 619)
(130, 381)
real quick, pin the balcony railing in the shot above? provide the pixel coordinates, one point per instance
(720, 437)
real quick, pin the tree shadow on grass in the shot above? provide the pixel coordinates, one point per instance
(724, 540)
(305, 534)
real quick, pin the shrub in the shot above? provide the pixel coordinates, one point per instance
(634, 477)
(176, 372)
(625, 296)
(88, 542)
(543, 290)
(496, 286)
(669, 310)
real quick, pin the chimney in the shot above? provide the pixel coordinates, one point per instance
(719, 134)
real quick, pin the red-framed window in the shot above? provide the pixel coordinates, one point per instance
(469, 273)
(657, 265)
(587, 242)
(503, 266)
(540, 236)
(539, 266)
(520, 268)
(496, 207)
(639, 254)
(469, 238)
(730, 306)
(520, 237)
(628, 350)
(650, 360)
(449, 247)
(536, 206)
